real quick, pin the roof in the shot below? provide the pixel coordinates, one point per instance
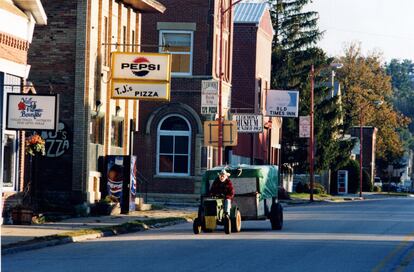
(249, 12)
(146, 6)
(35, 8)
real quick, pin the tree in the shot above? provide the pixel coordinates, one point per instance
(294, 51)
(365, 81)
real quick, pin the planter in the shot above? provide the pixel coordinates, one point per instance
(22, 216)
(107, 208)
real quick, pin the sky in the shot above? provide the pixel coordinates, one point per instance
(380, 25)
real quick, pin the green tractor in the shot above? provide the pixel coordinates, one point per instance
(255, 198)
(211, 213)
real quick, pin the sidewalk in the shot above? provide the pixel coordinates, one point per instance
(15, 238)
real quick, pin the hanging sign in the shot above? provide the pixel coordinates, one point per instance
(248, 123)
(141, 66)
(282, 103)
(143, 76)
(209, 96)
(32, 112)
(211, 133)
(304, 126)
(140, 90)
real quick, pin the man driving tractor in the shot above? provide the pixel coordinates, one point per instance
(223, 187)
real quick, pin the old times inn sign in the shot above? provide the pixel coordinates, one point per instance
(143, 76)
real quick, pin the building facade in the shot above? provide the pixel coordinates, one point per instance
(252, 56)
(170, 141)
(72, 58)
(368, 148)
(17, 25)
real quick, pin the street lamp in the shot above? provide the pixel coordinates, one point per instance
(377, 103)
(220, 113)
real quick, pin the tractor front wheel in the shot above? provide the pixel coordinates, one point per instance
(197, 226)
(227, 224)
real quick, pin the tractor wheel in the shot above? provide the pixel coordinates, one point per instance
(197, 226)
(236, 222)
(276, 216)
(227, 224)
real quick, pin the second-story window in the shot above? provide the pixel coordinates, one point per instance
(180, 45)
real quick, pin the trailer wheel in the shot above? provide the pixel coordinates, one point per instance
(276, 216)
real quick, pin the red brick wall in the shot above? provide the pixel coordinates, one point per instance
(183, 90)
(52, 57)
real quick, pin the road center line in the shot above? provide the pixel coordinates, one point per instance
(394, 253)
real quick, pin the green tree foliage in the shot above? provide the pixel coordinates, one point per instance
(294, 51)
(402, 80)
(365, 82)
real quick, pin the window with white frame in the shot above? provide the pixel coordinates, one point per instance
(180, 45)
(173, 146)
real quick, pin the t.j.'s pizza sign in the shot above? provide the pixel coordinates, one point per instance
(144, 76)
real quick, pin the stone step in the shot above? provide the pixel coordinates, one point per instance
(190, 200)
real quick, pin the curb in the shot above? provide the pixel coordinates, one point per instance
(115, 230)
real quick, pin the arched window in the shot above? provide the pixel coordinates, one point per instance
(173, 146)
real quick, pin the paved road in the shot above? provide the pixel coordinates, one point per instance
(372, 235)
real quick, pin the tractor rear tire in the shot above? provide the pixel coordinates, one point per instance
(236, 223)
(197, 226)
(227, 224)
(276, 216)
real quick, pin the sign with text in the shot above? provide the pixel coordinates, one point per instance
(248, 123)
(141, 66)
(140, 90)
(32, 112)
(143, 76)
(304, 126)
(282, 103)
(211, 133)
(57, 142)
(210, 96)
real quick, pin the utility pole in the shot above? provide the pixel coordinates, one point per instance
(223, 12)
(312, 140)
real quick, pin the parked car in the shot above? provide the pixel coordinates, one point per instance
(377, 182)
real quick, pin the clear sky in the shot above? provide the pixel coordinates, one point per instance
(384, 25)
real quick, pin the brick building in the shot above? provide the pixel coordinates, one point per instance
(170, 143)
(252, 56)
(71, 57)
(17, 24)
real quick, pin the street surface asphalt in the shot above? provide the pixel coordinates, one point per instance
(370, 235)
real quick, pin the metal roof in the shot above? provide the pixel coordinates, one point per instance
(249, 12)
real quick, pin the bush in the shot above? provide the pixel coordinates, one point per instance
(377, 188)
(282, 193)
(317, 188)
(306, 188)
(299, 188)
(366, 182)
